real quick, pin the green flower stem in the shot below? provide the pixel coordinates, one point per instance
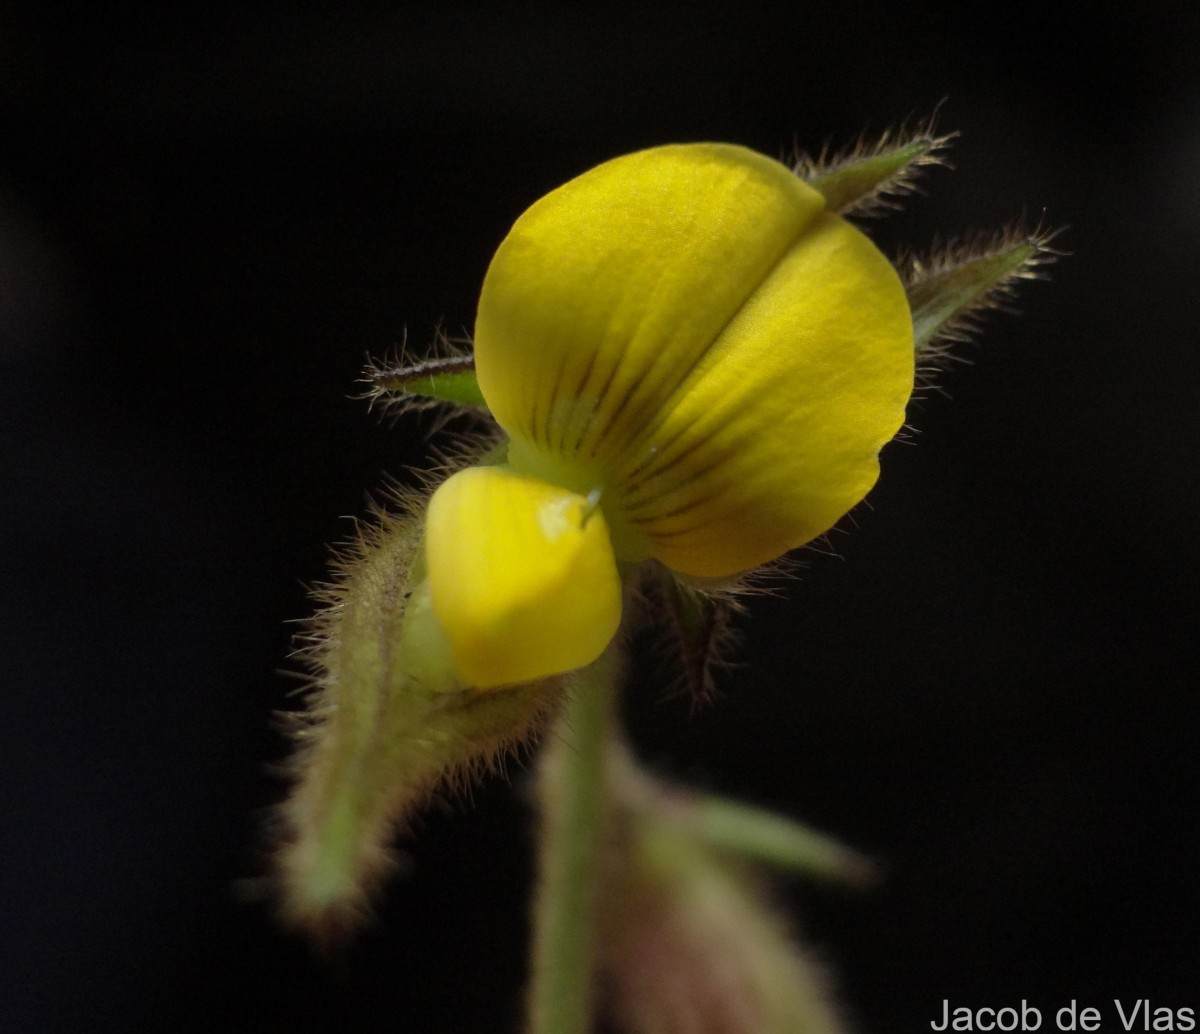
(573, 789)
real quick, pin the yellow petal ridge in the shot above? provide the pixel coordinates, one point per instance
(522, 576)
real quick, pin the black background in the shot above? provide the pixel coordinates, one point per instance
(208, 220)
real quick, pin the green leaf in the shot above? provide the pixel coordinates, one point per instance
(771, 839)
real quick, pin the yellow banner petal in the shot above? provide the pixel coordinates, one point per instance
(688, 328)
(610, 290)
(522, 576)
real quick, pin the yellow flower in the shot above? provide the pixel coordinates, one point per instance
(694, 361)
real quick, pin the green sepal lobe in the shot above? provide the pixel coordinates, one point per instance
(867, 178)
(699, 623)
(949, 290)
(446, 379)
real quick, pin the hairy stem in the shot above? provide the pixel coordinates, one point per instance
(574, 797)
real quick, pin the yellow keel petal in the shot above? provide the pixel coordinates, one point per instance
(521, 575)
